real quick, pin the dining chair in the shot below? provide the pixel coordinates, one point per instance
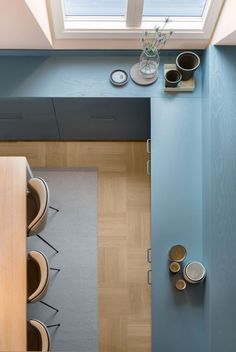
(38, 277)
(38, 337)
(37, 207)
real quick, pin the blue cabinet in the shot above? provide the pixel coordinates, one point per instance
(27, 119)
(178, 317)
(103, 118)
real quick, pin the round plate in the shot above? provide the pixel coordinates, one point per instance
(138, 78)
(119, 78)
(177, 253)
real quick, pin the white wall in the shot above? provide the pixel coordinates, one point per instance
(19, 29)
(225, 32)
(40, 12)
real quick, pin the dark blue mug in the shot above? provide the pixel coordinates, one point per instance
(172, 78)
(187, 62)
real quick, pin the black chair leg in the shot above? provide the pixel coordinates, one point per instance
(48, 305)
(48, 243)
(51, 326)
(55, 269)
(57, 210)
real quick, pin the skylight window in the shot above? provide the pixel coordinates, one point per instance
(123, 21)
(183, 8)
(94, 7)
(193, 8)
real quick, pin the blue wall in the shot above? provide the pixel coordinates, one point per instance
(205, 190)
(219, 196)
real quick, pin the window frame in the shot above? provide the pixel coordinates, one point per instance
(115, 28)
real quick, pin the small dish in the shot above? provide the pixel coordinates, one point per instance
(180, 285)
(174, 267)
(177, 253)
(119, 77)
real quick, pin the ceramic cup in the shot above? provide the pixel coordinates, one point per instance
(187, 62)
(174, 267)
(177, 253)
(180, 285)
(172, 78)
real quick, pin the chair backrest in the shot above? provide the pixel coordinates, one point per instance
(37, 275)
(38, 190)
(38, 337)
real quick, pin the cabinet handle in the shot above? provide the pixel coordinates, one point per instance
(149, 279)
(149, 260)
(149, 167)
(10, 116)
(103, 117)
(149, 146)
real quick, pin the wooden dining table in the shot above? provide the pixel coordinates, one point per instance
(13, 280)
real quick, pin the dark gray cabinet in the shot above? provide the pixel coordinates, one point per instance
(103, 118)
(75, 119)
(28, 119)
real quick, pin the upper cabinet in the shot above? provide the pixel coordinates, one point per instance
(28, 119)
(103, 118)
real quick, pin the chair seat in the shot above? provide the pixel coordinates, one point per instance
(37, 205)
(32, 209)
(37, 275)
(37, 208)
(38, 338)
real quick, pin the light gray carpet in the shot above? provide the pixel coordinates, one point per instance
(73, 231)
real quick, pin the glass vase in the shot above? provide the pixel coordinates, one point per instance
(149, 63)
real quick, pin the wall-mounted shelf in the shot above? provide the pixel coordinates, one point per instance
(183, 86)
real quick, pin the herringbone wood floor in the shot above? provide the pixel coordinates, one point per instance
(123, 232)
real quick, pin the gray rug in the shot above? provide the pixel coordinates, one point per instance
(73, 231)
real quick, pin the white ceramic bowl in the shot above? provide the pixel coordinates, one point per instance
(194, 272)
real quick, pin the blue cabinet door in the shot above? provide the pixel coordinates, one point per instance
(103, 118)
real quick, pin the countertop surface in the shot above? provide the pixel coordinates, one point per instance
(79, 76)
